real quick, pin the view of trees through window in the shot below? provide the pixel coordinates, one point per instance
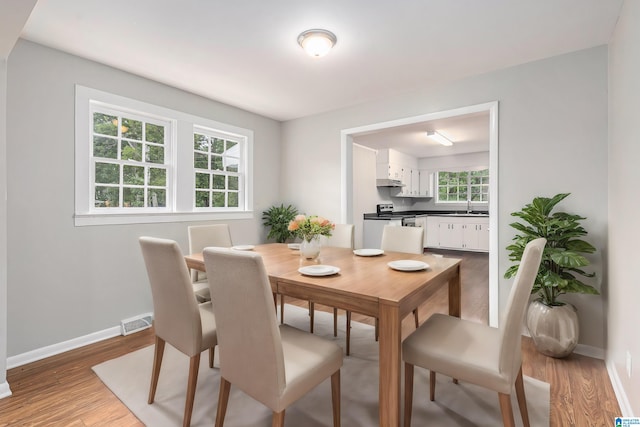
(216, 160)
(128, 161)
(458, 187)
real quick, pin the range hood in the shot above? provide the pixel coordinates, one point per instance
(389, 183)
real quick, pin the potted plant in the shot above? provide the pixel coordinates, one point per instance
(278, 218)
(553, 324)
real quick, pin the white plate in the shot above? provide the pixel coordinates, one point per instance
(408, 265)
(243, 247)
(368, 252)
(318, 270)
(294, 246)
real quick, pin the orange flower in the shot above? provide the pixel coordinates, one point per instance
(293, 226)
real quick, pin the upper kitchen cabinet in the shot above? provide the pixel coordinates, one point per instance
(425, 184)
(397, 166)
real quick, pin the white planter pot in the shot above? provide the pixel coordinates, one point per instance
(554, 329)
(310, 249)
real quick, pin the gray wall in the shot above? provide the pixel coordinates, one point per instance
(552, 138)
(624, 227)
(64, 281)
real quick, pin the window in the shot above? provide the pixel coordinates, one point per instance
(128, 160)
(460, 186)
(137, 162)
(217, 165)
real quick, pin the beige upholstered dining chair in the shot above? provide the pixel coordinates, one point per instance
(201, 236)
(396, 239)
(477, 353)
(178, 318)
(341, 237)
(276, 365)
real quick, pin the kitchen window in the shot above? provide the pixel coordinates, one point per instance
(141, 163)
(460, 186)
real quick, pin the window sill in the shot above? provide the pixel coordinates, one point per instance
(82, 220)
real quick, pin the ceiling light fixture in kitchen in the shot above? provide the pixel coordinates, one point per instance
(439, 138)
(317, 42)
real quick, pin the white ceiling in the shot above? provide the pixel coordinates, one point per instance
(469, 134)
(244, 52)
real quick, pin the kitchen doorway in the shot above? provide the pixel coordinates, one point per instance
(347, 179)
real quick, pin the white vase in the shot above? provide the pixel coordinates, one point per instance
(554, 329)
(310, 249)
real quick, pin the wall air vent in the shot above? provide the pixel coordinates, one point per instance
(136, 324)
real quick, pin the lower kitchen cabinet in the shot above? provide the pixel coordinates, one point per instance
(458, 233)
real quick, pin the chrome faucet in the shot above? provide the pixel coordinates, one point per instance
(468, 205)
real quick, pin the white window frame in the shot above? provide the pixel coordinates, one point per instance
(242, 145)
(180, 202)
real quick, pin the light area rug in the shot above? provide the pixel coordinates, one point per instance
(455, 405)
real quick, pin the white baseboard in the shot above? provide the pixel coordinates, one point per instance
(5, 391)
(52, 350)
(621, 395)
(590, 351)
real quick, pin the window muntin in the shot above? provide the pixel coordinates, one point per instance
(460, 186)
(130, 157)
(218, 161)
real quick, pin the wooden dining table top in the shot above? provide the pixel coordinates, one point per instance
(363, 277)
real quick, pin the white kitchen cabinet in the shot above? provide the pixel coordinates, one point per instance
(415, 182)
(425, 183)
(476, 235)
(431, 239)
(450, 234)
(409, 183)
(458, 233)
(388, 171)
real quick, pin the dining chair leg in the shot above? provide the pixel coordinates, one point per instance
(194, 365)
(281, 309)
(506, 409)
(522, 399)
(212, 355)
(223, 399)
(335, 322)
(312, 311)
(432, 385)
(335, 397)
(348, 332)
(408, 393)
(278, 419)
(155, 372)
(377, 328)
(415, 316)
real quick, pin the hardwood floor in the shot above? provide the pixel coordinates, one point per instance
(63, 390)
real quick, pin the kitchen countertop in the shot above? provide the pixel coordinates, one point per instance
(402, 214)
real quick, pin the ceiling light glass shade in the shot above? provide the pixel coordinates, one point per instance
(317, 42)
(439, 138)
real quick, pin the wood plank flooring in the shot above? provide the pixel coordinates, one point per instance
(63, 390)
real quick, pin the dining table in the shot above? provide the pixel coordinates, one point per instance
(365, 284)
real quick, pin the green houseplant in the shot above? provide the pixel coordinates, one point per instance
(278, 219)
(560, 272)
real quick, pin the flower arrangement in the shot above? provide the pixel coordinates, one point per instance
(309, 227)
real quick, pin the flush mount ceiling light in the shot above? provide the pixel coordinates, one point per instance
(317, 42)
(439, 138)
